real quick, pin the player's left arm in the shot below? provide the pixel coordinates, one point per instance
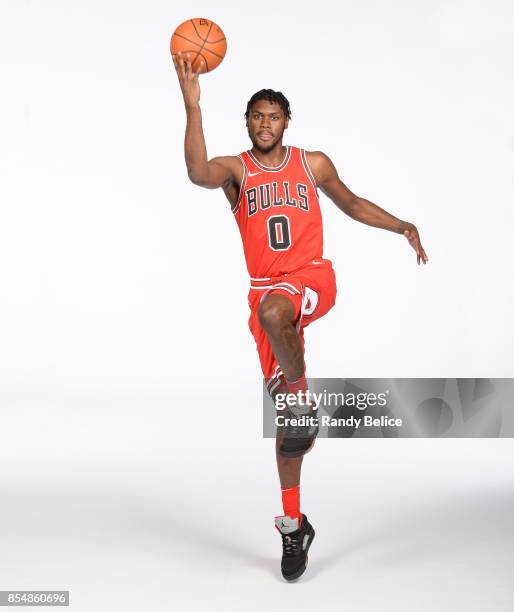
(358, 208)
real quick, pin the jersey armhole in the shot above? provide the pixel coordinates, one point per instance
(235, 208)
(308, 170)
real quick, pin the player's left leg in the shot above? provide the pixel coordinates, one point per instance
(277, 321)
(278, 316)
(295, 529)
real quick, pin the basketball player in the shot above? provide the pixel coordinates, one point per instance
(273, 194)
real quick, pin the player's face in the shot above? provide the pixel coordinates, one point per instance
(266, 124)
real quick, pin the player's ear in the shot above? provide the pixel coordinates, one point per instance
(286, 124)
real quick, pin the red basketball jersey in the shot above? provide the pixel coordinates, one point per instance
(278, 215)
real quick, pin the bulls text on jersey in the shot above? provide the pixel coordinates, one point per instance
(276, 194)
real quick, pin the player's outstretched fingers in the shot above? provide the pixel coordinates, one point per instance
(177, 67)
(182, 68)
(189, 70)
(200, 68)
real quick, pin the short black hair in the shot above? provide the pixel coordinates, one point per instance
(271, 96)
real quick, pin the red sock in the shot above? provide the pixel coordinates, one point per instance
(291, 502)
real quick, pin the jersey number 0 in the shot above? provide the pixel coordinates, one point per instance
(279, 235)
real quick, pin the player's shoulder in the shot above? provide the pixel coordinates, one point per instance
(317, 156)
(318, 161)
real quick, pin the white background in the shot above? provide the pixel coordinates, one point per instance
(123, 286)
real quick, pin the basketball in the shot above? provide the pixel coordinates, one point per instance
(203, 40)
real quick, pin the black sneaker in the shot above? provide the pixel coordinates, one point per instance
(296, 541)
(296, 440)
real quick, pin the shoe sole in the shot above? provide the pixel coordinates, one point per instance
(293, 454)
(297, 575)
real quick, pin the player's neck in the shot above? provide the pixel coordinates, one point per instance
(273, 158)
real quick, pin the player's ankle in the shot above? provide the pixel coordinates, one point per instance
(291, 502)
(296, 385)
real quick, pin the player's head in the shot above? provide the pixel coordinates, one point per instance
(267, 116)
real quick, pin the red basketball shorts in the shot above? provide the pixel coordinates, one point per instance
(312, 289)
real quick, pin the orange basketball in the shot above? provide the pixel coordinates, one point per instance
(203, 40)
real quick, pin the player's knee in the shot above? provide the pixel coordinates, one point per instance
(270, 316)
(273, 314)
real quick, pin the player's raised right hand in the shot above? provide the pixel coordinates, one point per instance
(188, 79)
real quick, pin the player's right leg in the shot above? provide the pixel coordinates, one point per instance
(277, 316)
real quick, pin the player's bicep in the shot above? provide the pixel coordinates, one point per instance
(219, 173)
(329, 182)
